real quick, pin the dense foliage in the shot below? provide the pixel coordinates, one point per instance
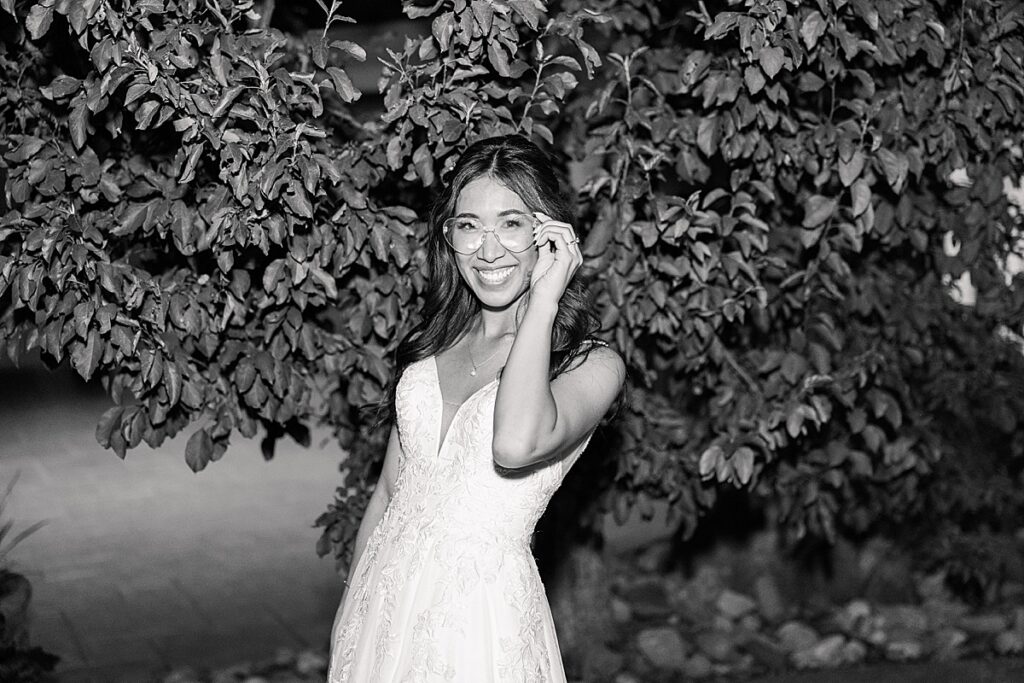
(775, 198)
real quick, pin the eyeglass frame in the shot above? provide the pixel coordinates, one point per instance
(447, 237)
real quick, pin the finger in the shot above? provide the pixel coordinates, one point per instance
(564, 229)
(557, 238)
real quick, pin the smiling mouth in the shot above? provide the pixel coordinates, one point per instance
(495, 276)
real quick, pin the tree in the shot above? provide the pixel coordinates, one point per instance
(197, 216)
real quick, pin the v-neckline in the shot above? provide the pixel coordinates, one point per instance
(442, 438)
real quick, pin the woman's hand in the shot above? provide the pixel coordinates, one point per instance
(555, 266)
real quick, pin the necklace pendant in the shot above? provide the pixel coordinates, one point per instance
(472, 373)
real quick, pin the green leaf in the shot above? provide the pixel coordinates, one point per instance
(424, 164)
(351, 48)
(743, 464)
(708, 135)
(850, 170)
(28, 148)
(818, 209)
(442, 27)
(77, 122)
(771, 59)
(86, 356)
(38, 21)
(812, 29)
(188, 171)
(860, 193)
(795, 422)
(199, 450)
(272, 274)
(754, 79)
(108, 423)
(343, 84)
(895, 165)
(299, 202)
(60, 87)
(709, 460)
(498, 58)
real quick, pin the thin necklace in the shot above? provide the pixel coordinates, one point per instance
(472, 373)
(476, 366)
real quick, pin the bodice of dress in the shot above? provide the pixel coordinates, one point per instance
(451, 486)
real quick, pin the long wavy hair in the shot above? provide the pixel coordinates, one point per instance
(450, 307)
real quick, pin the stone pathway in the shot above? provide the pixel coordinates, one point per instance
(143, 564)
(976, 671)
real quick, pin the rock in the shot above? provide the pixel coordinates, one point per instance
(795, 636)
(944, 612)
(691, 605)
(599, 662)
(1018, 619)
(769, 598)
(933, 587)
(1012, 591)
(751, 623)
(309, 662)
(946, 642)
(854, 652)
(734, 605)
(663, 647)
(903, 618)
(826, 653)
(1009, 643)
(853, 617)
(720, 622)
(903, 650)
(648, 599)
(983, 624)
(184, 674)
(231, 674)
(707, 582)
(697, 666)
(655, 558)
(622, 613)
(766, 651)
(717, 645)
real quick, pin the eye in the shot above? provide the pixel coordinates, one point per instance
(515, 222)
(465, 225)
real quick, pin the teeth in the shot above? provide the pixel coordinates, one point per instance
(493, 277)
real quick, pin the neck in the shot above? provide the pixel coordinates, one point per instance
(492, 325)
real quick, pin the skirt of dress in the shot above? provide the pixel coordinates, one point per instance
(455, 611)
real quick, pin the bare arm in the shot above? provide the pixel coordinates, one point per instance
(537, 419)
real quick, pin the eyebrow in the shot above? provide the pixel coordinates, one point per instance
(506, 212)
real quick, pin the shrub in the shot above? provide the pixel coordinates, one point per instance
(776, 197)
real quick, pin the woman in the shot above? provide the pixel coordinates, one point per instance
(500, 389)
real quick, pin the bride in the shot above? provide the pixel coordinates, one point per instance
(496, 393)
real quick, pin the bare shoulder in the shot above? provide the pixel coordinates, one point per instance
(606, 360)
(601, 369)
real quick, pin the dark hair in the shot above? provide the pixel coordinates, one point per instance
(449, 306)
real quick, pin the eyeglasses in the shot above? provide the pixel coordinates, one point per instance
(514, 231)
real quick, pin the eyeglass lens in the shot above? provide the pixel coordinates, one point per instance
(514, 231)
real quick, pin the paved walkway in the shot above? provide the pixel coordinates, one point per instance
(145, 565)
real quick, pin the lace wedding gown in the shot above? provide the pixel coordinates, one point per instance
(447, 588)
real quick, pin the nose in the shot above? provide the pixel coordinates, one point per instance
(491, 250)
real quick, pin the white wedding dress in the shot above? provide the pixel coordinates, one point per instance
(447, 588)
